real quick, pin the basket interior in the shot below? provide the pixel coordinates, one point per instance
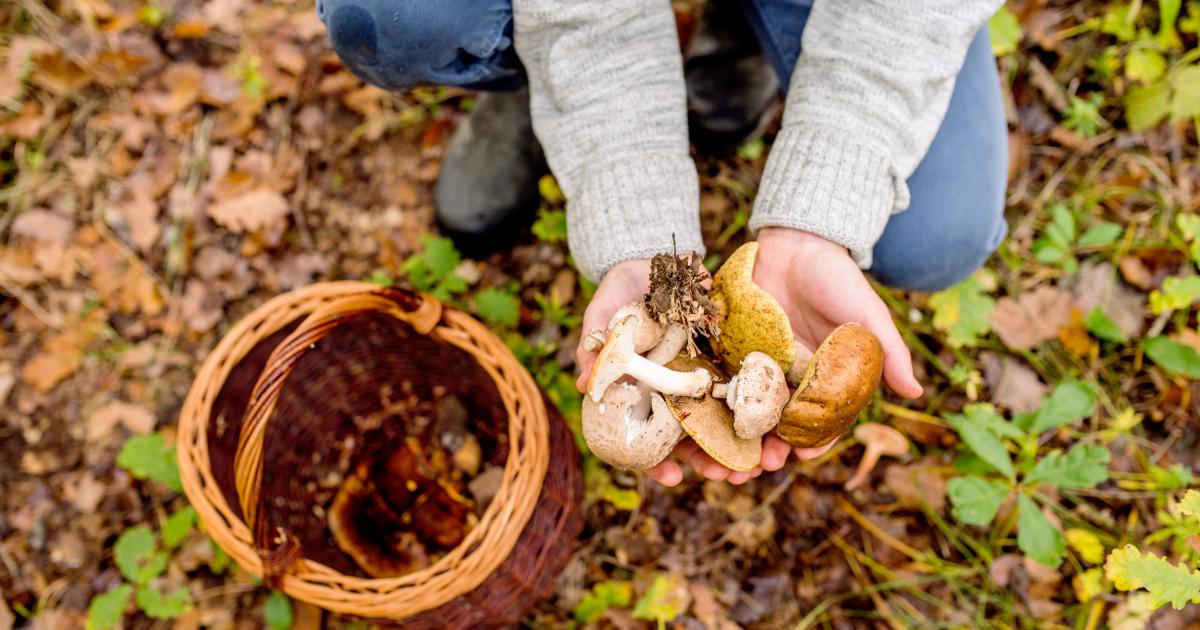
(320, 425)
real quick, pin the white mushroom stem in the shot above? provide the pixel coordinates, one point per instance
(673, 341)
(617, 358)
(692, 384)
(726, 391)
(649, 330)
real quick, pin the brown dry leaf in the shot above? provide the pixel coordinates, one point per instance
(182, 81)
(1013, 384)
(254, 211)
(917, 485)
(84, 492)
(83, 171)
(222, 15)
(123, 284)
(43, 225)
(1034, 317)
(1136, 273)
(101, 423)
(61, 354)
(1097, 285)
(27, 124)
(59, 75)
(8, 378)
(201, 307)
(18, 61)
(298, 270)
(140, 212)
(708, 610)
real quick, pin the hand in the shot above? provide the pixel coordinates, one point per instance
(625, 283)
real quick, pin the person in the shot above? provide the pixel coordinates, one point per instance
(891, 157)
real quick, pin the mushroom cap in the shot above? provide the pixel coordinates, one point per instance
(363, 527)
(618, 430)
(886, 439)
(710, 422)
(610, 362)
(839, 381)
(649, 330)
(759, 397)
(751, 319)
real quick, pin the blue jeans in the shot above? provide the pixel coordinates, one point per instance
(956, 216)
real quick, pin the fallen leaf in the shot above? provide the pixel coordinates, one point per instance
(1097, 286)
(101, 423)
(26, 125)
(298, 270)
(85, 493)
(1002, 568)
(1136, 273)
(182, 81)
(201, 307)
(1074, 336)
(254, 211)
(140, 213)
(43, 225)
(61, 354)
(8, 378)
(917, 485)
(1032, 318)
(707, 609)
(1013, 384)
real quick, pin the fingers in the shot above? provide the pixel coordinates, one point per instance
(700, 461)
(813, 453)
(897, 360)
(667, 473)
(775, 453)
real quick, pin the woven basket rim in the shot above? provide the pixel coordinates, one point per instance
(460, 570)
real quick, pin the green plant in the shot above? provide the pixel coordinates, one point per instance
(499, 305)
(1083, 115)
(435, 269)
(604, 595)
(962, 310)
(1167, 583)
(150, 457)
(991, 475)
(277, 611)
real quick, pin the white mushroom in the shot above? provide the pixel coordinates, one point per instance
(757, 395)
(630, 427)
(649, 331)
(618, 358)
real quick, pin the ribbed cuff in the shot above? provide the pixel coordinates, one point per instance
(629, 209)
(818, 182)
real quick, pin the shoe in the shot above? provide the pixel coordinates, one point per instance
(488, 186)
(731, 86)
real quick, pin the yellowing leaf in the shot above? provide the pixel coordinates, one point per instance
(1087, 545)
(1145, 65)
(1004, 30)
(1190, 504)
(1167, 583)
(1088, 584)
(962, 311)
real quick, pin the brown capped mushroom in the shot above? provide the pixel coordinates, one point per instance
(879, 440)
(618, 358)
(630, 427)
(709, 422)
(838, 383)
(756, 394)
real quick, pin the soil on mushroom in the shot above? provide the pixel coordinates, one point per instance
(677, 296)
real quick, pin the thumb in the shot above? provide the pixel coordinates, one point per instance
(897, 360)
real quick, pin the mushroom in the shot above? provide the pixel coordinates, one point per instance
(709, 422)
(803, 356)
(649, 331)
(621, 429)
(756, 394)
(618, 358)
(879, 440)
(838, 382)
(750, 318)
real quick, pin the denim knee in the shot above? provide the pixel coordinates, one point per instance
(940, 258)
(398, 44)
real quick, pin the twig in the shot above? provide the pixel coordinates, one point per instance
(29, 302)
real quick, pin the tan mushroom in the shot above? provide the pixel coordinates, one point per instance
(756, 394)
(621, 430)
(750, 318)
(838, 383)
(709, 422)
(618, 358)
(879, 440)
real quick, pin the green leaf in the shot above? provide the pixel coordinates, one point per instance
(551, 226)
(1190, 504)
(1037, 537)
(1167, 583)
(1173, 356)
(1071, 401)
(548, 188)
(752, 150)
(178, 526)
(1083, 115)
(498, 307)
(1176, 477)
(1145, 65)
(975, 501)
(962, 311)
(1185, 95)
(1167, 37)
(150, 457)
(159, 605)
(137, 556)
(1118, 21)
(433, 268)
(659, 602)
(1191, 23)
(597, 477)
(1146, 106)
(106, 610)
(983, 443)
(604, 595)
(1188, 226)
(1085, 466)
(1102, 327)
(277, 611)
(622, 498)
(1103, 233)
(220, 559)
(1176, 293)
(985, 416)
(1004, 31)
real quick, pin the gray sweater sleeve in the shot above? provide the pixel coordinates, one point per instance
(609, 107)
(867, 97)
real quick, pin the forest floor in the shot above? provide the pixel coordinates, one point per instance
(166, 167)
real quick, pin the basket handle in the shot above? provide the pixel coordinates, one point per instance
(422, 312)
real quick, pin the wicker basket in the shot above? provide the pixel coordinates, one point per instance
(282, 391)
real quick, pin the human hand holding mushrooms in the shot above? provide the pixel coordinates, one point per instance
(797, 342)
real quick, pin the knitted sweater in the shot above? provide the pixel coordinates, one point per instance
(608, 101)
